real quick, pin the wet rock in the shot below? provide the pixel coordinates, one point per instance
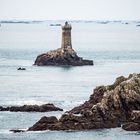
(131, 126)
(31, 108)
(21, 68)
(134, 124)
(17, 130)
(61, 57)
(108, 107)
(44, 123)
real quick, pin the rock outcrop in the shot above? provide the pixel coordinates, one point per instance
(108, 107)
(21, 68)
(61, 57)
(31, 108)
(44, 123)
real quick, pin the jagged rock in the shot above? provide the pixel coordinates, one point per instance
(135, 116)
(44, 123)
(31, 108)
(61, 57)
(108, 107)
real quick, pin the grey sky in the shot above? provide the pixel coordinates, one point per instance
(70, 9)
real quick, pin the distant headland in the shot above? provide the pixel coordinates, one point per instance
(62, 56)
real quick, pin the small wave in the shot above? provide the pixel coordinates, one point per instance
(44, 131)
(116, 61)
(33, 102)
(25, 102)
(5, 131)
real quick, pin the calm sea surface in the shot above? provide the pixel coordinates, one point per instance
(114, 47)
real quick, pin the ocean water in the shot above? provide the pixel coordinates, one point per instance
(114, 47)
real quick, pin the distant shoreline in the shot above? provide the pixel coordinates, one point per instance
(72, 21)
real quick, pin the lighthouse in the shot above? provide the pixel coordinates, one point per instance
(66, 36)
(64, 56)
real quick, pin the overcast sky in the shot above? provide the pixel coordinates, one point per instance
(70, 9)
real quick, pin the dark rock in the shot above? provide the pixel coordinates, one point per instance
(44, 123)
(131, 126)
(108, 107)
(135, 116)
(134, 124)
(61, 57)
(31, 108)
(17, 131)
(21, 68)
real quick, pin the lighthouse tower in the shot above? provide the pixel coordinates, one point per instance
(66, 36)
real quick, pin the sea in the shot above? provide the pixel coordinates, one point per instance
(114, 46)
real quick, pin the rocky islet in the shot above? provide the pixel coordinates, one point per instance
(32, 108)
(64, 56)
(61, 57)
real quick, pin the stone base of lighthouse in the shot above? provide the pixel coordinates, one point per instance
(61, 57)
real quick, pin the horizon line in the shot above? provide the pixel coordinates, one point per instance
(69, 19)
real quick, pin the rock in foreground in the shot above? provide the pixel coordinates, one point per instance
(31, 108)
(131, 126)
(44, 123)
(61, 57)
(108, 107)
(134, 124)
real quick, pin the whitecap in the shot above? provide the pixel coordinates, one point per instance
(25, 102)
(5, 131)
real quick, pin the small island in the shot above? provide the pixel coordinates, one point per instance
(31, 108)
(62, 56)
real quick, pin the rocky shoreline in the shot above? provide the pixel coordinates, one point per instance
(32, 108)
(61, 57)
(109, 106)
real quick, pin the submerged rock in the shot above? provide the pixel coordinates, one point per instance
(21, 68)
(31, 108)
(108, 107)
(61, 57)
(17, 130)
